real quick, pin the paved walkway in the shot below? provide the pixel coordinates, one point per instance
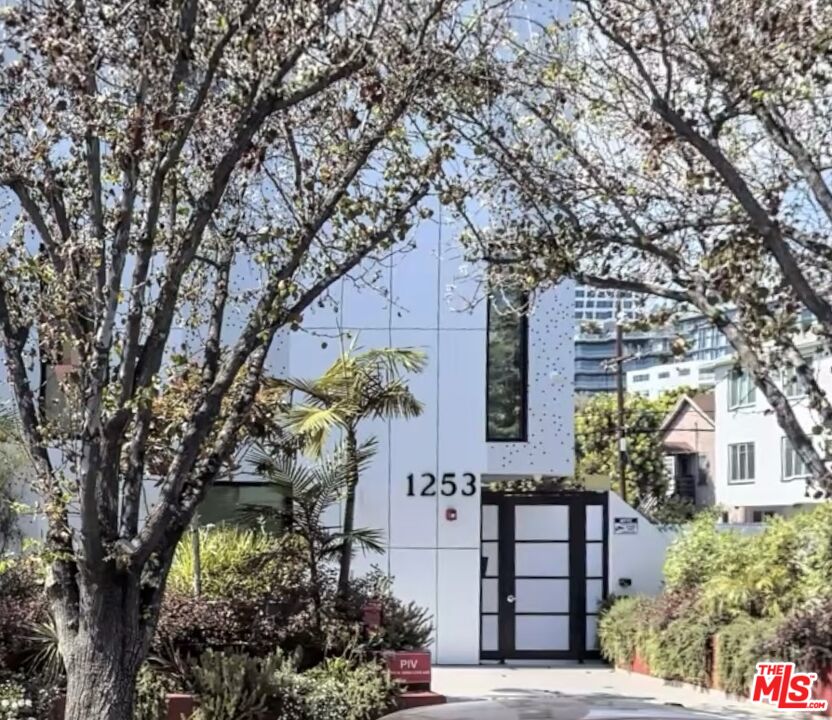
(594, 684)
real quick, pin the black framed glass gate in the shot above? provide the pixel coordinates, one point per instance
(543, 575)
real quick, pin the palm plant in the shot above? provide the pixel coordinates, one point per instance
(314, 488)
(360, 384)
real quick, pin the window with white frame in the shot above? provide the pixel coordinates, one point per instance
(741, 462)
(741, 390)
(793, 466)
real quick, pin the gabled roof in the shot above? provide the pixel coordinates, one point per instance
(702, 403)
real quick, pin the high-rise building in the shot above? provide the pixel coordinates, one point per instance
(600, 305)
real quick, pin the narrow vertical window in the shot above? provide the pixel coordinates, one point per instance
(507, 368)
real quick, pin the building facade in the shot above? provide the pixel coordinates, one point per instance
(595, 354)
(602, 305)
(757, 472)
(503, 576)
(653, 381)
(688, 436)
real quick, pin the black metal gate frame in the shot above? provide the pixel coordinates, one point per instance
(577, 501)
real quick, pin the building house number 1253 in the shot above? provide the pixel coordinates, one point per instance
(426, 485)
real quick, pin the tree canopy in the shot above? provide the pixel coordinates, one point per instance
(181, 181)
(680, 150)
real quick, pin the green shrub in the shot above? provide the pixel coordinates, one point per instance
(740, 646)
(366, 688)
(22, 606)
(804, 637)
(235, 687)
(15, 701)
(680, 651)
(239, 562)
(405, 626)
(765, 574)
(700, 552)
(619, 629)
(151, 690)
(231, 687)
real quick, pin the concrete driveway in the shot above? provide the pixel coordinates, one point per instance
(593, 684)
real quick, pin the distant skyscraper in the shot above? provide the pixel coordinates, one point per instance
(596, 304)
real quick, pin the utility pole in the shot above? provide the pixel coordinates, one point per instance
(619, 382)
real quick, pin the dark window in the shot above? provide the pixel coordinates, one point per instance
(506, 367)
(226, 503)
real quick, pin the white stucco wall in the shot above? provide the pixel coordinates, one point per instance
(422, 299)
(638, 557)
(427, 299)
(756, 423)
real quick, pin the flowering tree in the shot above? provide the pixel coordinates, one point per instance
(182, 180)
(679, 150)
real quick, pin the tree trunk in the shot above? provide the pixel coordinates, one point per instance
(349, 512)
(103, 632)
(101, 679)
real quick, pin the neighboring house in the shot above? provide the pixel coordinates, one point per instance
(653, 381)
(757, 472)
(688, 438)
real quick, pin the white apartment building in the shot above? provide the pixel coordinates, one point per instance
(757, 472)
(653, 381)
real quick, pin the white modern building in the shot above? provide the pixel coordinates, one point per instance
(756, 471)
(503, 576)
(653, 381)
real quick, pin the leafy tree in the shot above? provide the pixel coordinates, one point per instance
(679, 150)
(596, 442)
(181, 181)
(360, 384)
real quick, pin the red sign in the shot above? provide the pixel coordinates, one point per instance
(785, 688)
(410, 668)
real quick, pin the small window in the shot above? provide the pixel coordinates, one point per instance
(684, 371)
(741, 462)
(664, 375)
(225, 501)
(741, 390)
(793, 466)
(507, 368)
(793, 386)
(759, 516)
(643, 377)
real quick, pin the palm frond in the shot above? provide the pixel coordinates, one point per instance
(45, 660)
(395, 400)
(315, 424)
(289, 473)
(365, 453)
(368, 540)
(395, 361)
(315, 390)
